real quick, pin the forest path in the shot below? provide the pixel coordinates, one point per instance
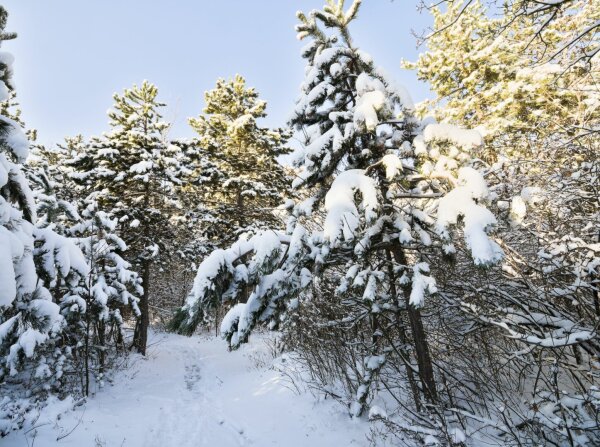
(189, 392)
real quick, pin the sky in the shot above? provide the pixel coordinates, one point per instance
(72, 55)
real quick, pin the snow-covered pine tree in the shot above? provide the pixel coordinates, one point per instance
(497, 72)
(95, 311)
(238, 179)
(134, 172)
(45, 171)
(234, 182)
(386, 195)
(192, 222)
(94, 308)
(31, 261)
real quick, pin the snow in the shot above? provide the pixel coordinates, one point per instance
(4, 170)
(4, 92)
(393, 165)
(477, 219)
(420, 145)
(8, 291)
(377, 412)
(532, 194)
(518, 209)
(421, 285)
(462, 137)
(16, 139)
(232, 317)
(566, 340)
(192, 392)
(342, 214)
(30, 339)
(335, 70)
(397, 89)
(540, 73)
(6, 327)
(60, 252)
(19, 178)
(7, 59)
(141, 167)
(457, 435)
(371, 98)
(375, 361)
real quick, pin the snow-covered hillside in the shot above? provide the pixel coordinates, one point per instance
(192, 392)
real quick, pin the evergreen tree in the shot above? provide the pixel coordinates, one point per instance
(134, 173)
(235, 184)
(95, 311)
(238, 179)
(95, 308)
(45, 171)
(495, 72)
(33, 261)
(416, 188)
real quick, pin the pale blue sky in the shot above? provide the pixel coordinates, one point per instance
(72, 55)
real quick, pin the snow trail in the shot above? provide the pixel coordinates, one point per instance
(191, 392)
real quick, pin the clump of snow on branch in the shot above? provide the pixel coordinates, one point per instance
(342, 213)
(422, 284)
(462, 202)
(371, 98)
(393, 166)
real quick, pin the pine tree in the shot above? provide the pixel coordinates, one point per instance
(33, 262)
(416, 188)
(134, 173)
(497, 72)
(235, 184)
(95, 311)
(95, 308)
(51, 190)
(237, 175)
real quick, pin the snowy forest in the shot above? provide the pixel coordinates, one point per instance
(379, 272)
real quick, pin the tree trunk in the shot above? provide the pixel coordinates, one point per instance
(141, 329)
(217, 316)
(102, 343)
(422, 351)
(87, 354)
(416, 323)
(419, 337)
(240, 210)
(403, 338)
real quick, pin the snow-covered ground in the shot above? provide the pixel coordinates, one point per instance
(192, 392)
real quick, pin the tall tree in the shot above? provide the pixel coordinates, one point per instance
(133, 172)
(239, 178)
(33, 261)
(109, 292)
(496, 71)
(384, 195)
(95, 309)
